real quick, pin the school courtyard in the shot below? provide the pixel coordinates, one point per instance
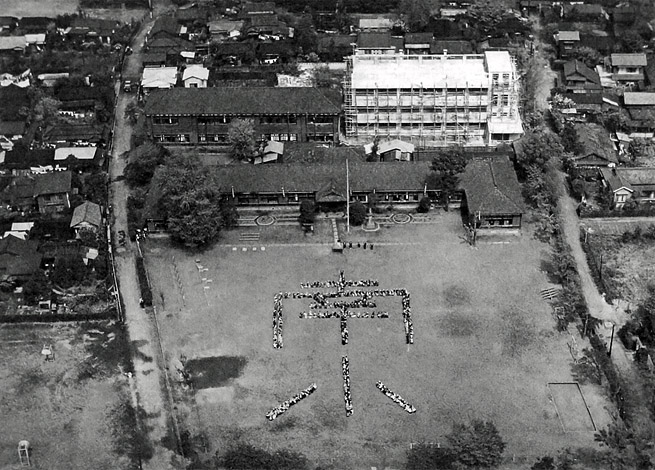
(485, 343)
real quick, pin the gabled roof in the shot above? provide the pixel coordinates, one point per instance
(595, 141)
(166, 24)
(12, 99)
(224, 26)
(257, 8)
(631, 60)
(576, 67)
(75, 132)
(491, 187)
(159, 77)
(55, 182)
(631, 98)
(584, 9)
(374, 40)
(418, 38)
(12, 127)
(453, 46)
(375, 23)
(585, 98)
(628, 178)
(395, 144)
(23, 159)
(18, 258)
(88, 212)
(8, 21)
(239, 101)
(196, 71)
(73, 93)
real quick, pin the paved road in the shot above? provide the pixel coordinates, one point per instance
(148, 373)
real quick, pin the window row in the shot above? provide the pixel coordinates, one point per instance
(165, 120)
(212, 137)
(172, 138)
(280, 137)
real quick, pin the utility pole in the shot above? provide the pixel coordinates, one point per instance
(347, 198)
(609, 353)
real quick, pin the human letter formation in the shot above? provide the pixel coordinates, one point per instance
(395, 398)
(320, 301)
(284, 406)
(346, 385)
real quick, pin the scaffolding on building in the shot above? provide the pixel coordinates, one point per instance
(432, 115)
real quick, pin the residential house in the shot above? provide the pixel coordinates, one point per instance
(158, 78)
(378, 43)
(35, 24)
(235, 53)
(81, 102)
(265, 26)
(48, 80)
(22, 80)
(154, 59)
(19, 259)
(450, 46)
(223, 29)
(193, 14)
(492, 194)
(598, 40)
(641, 109)
(627, 69)
(584, 12)
(202, 115)
(23, 161)
(17, 193)
(629, 184)
(288, 184)
(20, 230)
(378, 24)
(87, 215)
(52, 191)
(93, 29)
(566, 42)
(418, 43)
(78, 134)
(576, 77)
(249, 9)
(8, 24)
(597, 149)
(10, 132)
(78, 157)
(164, 27)
(586, 104)
(195, 76)
(12, 45)
(171, 46)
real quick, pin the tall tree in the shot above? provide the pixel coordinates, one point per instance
(241, 136)
(477, 445)
(416, 13)
(536, 148)
(446, 168)
(142, 163)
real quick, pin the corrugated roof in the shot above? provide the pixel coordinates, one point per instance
(568, 36)
(491, 186)
(196, 71)
(239, 101)
(631, 98)
(80, 153)
(635, 60)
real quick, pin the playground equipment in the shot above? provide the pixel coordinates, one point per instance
(24, 453)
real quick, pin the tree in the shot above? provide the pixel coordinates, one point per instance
(69, 271)
(424, 205)
(36, 288)
(94, 187)
(307, 212)
(323, 77)
(305, 35)
(536, 148)
(446, 168)
(88, 237)
(142, 163)
(45, 109)
(487, 14)
(631, 41)
(427, 457)
(477, 445)
(192, 202)
(590, 57)
(357, 213)
(375, 148)
(570, 140)
(132, 112)
(416, 13)
(241, 136)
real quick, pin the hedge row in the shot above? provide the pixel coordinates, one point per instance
(588, 213)
(144, 285)
(58, 317)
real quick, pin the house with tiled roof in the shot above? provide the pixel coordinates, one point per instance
(418, 43)
(378, 43)
(23, 161)
(597, 149)
(566, 41)
(578, 78)
(492, 195)
(629, 184)
(450, 46)
(202, 115)
(87, 215)
(585, 12)
(627, 69)
(52, 191)
(19, 259)
(12, 45)
(8, 23)
(641, 110)
(65, 133)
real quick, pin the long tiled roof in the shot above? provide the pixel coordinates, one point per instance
(491, 186)
(575, 66)
(310, 178)
(239, 101)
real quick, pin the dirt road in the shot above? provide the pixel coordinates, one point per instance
(148, 362)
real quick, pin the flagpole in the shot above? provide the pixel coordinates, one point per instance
(347, 198)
